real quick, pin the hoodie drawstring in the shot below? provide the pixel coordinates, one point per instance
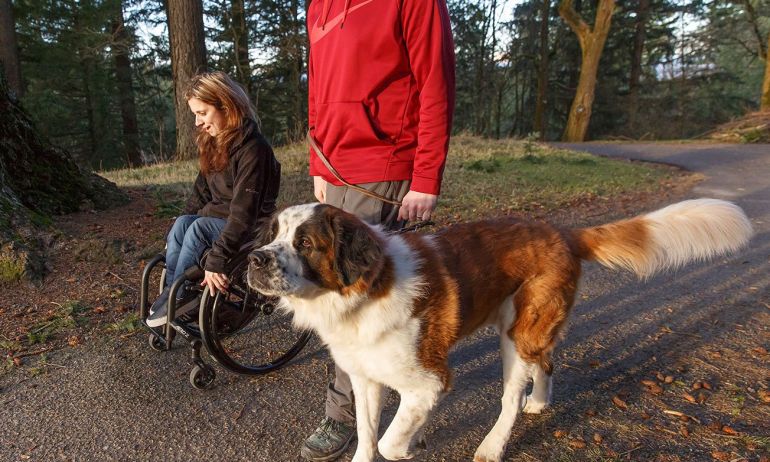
(325, 13)
(345, 13)
(327, 6)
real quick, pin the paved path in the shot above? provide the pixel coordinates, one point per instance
(118, 400)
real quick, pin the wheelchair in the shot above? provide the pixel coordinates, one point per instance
(241, 329)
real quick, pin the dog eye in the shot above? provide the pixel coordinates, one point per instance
(305, 242)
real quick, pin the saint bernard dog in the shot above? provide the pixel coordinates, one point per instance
(391, 306)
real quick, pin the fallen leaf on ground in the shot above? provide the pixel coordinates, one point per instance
(669, 379)
(577, 443)
(715, 426)
(18, 362)
(706, 385)
(649, 383)
(655, 389)
(619, 402)
(591, 412)
(762, 351)
(702, 397)
(73, 341)
(764, 395)
(598, 438)
(660, 376)
(684, 431)
(99, 309)
(697, 386)
(689, 397)
(729, 430)
(720, 455)
(559, 434)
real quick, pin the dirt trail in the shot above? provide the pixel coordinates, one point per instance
(639, 357)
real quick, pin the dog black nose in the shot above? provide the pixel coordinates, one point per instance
(258, 258)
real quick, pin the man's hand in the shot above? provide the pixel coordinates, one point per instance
(319, 189)
(215, 281)
(417, 206)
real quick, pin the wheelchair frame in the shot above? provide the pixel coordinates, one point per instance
(203, 333)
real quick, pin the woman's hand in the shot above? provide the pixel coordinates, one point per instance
(319, 189)
(215, 281)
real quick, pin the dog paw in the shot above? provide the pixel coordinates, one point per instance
(482, 456)
(534, 407)
(361, 457)
(491, 450)
(394, 452)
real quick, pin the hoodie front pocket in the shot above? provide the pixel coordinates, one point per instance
(347, 125)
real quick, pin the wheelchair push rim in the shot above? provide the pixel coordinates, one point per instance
(259, 338)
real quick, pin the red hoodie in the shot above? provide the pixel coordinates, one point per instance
(381, 90)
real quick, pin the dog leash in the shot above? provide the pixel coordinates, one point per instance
(317, 149)
(314, 146)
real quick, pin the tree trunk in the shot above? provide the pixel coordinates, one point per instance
(121, 53)
(542, 71)
(640, 35)
(765, 100)
(240, 34)
(9, 50)
(86, 63)
(188, 57)
(591, 46)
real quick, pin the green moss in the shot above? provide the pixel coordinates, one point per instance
(10, 270)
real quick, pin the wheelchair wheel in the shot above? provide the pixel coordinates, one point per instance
(242, 329)
(201, 378)
(156, 343)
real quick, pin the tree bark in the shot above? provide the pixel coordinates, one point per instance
(9, 49)
(87, 65)
(121, 53)
(188, 57)
(542, 71)
(640, 35)
(240, 34)
(765, 100)
(591, 46)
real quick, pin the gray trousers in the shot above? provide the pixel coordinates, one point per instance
(339, 395)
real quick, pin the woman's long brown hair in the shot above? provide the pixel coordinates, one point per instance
(221, 91)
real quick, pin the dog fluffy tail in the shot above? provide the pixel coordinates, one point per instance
(667, 238)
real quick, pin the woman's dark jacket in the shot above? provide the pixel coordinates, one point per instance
(242, 193)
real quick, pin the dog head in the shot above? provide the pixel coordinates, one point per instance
(315, 248)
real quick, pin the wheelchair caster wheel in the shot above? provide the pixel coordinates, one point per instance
(202, 377)
(156, 343)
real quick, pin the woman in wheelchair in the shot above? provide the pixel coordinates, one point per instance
(237, 185)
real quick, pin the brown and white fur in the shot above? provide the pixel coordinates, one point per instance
(390, 307)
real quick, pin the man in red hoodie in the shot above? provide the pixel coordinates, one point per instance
(381, 95)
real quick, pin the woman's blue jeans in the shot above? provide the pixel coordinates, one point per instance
(190, 236)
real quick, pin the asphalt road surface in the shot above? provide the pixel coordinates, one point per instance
(116, 399)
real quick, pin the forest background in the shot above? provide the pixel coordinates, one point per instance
(96, 75)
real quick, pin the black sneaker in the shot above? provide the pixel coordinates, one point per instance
(184, 305)
(328, 442)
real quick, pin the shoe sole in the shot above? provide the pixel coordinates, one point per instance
(330, 457)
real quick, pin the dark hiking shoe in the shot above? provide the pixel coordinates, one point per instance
(328, 442)
(184, 305)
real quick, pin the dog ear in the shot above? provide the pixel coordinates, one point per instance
(356, 250)
(265, 231)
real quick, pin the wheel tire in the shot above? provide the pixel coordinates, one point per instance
(155, 343)
(202, 378)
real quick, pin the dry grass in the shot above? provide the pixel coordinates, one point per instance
(751, 128)
(482, 178)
